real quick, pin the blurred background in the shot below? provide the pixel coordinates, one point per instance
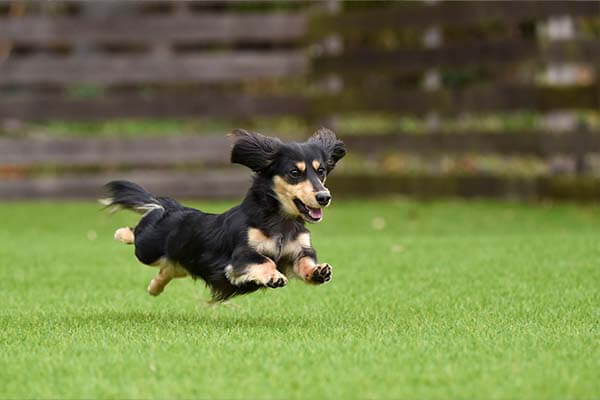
(433, 98)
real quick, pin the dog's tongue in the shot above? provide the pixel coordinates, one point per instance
(315, 213)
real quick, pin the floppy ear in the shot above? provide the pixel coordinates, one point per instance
(330, 144)
(253, 150)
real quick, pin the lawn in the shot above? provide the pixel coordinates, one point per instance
(429, 300)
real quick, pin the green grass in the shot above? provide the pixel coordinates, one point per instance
(428, 300)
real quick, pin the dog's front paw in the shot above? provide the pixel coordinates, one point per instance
(321, 274)
(265, 274)
(276, 280)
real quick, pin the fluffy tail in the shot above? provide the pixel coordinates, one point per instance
(125, 194)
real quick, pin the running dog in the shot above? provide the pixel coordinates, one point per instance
(256, 244)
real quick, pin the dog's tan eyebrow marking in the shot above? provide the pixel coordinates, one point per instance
(316, 164)
(301, 165)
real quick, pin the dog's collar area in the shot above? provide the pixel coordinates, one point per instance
(310, 214)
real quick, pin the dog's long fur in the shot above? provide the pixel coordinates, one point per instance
(259, 243)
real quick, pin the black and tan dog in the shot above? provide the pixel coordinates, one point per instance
(258, 243)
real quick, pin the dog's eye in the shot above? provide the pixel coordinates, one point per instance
(321, 171)
(294, 173)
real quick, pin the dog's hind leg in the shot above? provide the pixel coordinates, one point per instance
(167, 272)
(125, 235)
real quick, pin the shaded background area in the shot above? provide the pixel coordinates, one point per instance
(433, 99)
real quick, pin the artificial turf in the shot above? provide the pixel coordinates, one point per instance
(428, 300)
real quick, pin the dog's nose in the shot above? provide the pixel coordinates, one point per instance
(323, 198)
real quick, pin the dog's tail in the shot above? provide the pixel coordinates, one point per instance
(128, 195)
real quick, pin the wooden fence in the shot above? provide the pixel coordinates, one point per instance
(372, 58)
(206, 59)
(439, 60)
(129, 51)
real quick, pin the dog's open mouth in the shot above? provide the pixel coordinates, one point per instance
(310, 214)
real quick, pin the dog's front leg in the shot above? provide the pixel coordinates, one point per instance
(248, 266)
(306, 267)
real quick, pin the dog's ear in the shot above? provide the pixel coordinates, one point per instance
(253, 150)
(330, 144)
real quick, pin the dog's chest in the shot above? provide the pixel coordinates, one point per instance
(277, 247)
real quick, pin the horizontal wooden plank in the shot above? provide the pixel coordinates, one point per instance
(274, 28)
(211, 67)
(446, 101)
(366, 62)
(476, 99)
(160, 105)
(448, 13)
(203, 184)
(541, 144)
(233, 185)
(214, 150)
(426, 186)
(204, 150)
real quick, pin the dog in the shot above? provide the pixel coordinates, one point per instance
(259, 243)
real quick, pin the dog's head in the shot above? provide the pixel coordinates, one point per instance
(296, 171)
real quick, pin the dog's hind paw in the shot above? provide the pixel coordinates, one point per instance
(155, 287)
(125, 235)
(321, 274)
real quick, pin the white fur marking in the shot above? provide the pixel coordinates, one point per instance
(113, 208)
(149, 207)
(229, 275)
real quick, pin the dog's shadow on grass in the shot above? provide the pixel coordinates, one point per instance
(184, 320)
